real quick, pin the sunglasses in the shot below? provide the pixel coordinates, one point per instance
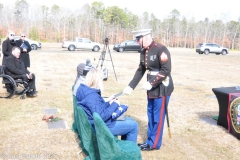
(23, 36)
(11, 34)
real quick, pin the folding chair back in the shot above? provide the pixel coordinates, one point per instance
(111, 148)
(88, 136)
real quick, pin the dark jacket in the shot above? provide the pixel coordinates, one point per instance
(7, 46)
(15, 67)
(91, 101)
(155, 58)
(24, 55)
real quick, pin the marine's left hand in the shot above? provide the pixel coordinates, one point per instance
(147, 86)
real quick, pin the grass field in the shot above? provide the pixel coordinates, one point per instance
(195, 135)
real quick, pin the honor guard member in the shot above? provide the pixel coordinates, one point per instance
(155, 59)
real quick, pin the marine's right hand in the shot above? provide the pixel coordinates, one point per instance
(127, 90)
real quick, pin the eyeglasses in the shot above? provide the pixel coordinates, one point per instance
(11, 34)
(23, 36)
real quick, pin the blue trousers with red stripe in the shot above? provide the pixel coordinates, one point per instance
(156, 111)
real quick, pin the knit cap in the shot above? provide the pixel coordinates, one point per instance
(80, 69)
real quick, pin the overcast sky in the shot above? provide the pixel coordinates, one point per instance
(229, 9)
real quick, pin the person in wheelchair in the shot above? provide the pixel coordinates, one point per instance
(17, 70)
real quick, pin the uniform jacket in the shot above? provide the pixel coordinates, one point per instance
(24, 55)
(91, 101)
(15, 67)
(155, 58)
(7, 46)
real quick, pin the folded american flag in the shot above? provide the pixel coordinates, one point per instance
(24, 46)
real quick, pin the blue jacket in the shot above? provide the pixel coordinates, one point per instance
(91, 101)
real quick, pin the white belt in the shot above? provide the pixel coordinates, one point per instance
(153, 72)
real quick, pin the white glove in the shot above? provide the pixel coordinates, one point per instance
(127, 90)
(166, 81)
(147, 86)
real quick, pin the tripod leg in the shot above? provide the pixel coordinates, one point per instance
(101, 58)
(112, 63)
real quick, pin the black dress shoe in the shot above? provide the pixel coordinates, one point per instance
(33, 93)
(148, 148)
(142, 144)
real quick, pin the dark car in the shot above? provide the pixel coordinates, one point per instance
(129, 45)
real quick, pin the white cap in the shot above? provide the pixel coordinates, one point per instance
(140, 33)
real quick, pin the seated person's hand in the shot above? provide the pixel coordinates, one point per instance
(30, 75)
(24, 50)
(113, 99)
(117, 101)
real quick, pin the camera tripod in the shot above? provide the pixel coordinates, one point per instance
(101, 61)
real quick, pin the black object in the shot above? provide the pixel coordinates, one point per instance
(169, 133)
(128, 45)
(106, 40)
(142, 144)
(222, 95)
(147, 147)
(102, 58)
(13, 86)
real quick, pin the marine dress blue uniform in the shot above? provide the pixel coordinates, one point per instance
(156, 60)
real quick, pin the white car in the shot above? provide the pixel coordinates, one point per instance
(81, 43)
(34, 44)
(207, 48)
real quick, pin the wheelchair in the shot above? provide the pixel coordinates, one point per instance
(10, 87)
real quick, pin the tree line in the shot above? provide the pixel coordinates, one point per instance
(98, 22)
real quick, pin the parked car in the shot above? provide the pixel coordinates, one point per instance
(81, 43)
(129, 45)
(34, 44)
(207, 48)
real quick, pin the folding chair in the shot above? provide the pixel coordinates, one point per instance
(111, 148)
(87, 134)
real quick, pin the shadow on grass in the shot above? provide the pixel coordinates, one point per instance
(142, 128)
(208, 117)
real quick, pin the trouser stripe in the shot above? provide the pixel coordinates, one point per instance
(160, 122)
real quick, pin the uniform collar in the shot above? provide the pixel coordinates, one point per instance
(150, 46)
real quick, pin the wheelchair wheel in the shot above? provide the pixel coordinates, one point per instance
(7, 86)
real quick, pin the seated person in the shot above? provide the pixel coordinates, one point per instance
(89, 98)
(17, 70)
(82, 71)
